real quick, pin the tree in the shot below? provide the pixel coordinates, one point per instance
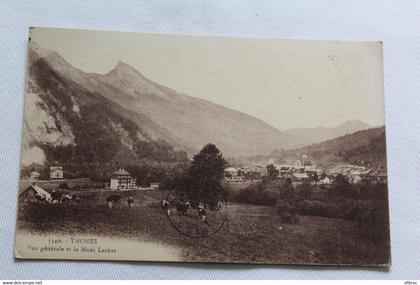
(272, 171)
(202, 183)
(341, 184)
(208, 164)
(303, 192)
(315, 178)
(288, 184)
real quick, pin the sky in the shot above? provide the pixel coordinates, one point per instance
(286, 83)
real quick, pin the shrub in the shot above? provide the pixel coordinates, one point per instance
(313, 208)
(254, 194)
(303, 192)
(63, 185)
(286, 212)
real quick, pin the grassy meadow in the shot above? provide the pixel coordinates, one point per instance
(251, 234)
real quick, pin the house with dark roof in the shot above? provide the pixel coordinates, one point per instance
(34, 193)
(300, 178)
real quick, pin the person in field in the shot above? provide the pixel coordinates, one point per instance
(188, 205)
(165, 207)
(182, 208)
(113, 200)
(130, 201)
(219, 205)
(77, 199)
(202, 214)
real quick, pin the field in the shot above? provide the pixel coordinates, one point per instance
(252, 234)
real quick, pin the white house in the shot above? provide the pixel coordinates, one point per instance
(122, 179)
(56, 172)
(356, 179)
(34, 176)
(303, 177)
(231, 171)
(155, 185)
(325, 180)
(234, 179)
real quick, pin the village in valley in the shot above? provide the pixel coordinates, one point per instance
(304, 172)
(301, 172)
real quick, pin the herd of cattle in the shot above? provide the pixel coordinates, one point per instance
(184, 208)
(180, 208)
(57, 197)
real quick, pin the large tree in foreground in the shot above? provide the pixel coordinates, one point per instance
(208, 164)
(203, 180)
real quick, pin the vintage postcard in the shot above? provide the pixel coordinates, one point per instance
(157, 147)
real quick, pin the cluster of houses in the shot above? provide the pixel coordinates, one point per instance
(123, 180)
(360, 174)
(120, 179)
(299, 173)
(56, 173)
(237, 175)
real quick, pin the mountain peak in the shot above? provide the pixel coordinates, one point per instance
(122, 64)
(124, 69)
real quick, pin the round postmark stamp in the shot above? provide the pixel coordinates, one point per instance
(195, 219)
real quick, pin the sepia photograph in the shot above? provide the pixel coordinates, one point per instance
(186, 148)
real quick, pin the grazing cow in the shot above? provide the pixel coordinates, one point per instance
(66, 198)
(77, 198)
(89, 197)
(56, 197)
(182, 208)
(130, 201)
(165, 207)
(113, 199)
(202, 214)
(219, 205)
(39, 198)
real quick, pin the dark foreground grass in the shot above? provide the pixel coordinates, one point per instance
(252, 234)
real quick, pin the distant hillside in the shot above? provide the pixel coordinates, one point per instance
(365, 147)
(308, 136)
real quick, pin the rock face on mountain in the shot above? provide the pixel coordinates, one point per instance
(307, 136)
(68, 124)
(123, 114)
